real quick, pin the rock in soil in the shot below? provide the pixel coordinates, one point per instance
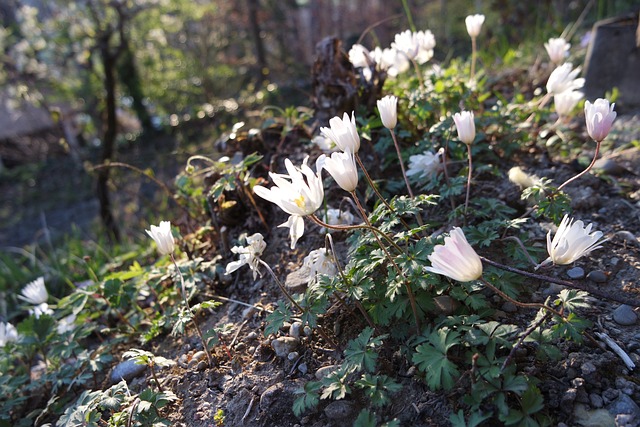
(284, 345)
(126, 370)
(340, 410)
(576, 273)
(624, 315)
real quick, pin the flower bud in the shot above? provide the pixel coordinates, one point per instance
(599, 117)
(388, 107)
(465, 126)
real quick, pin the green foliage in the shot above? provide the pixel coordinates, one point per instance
(431, 358)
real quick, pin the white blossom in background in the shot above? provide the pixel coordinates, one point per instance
(8, 333)
(417, 46)
(456, 258)
(162, 236)
(299, 194)
(249, 255)
(564, 78)
(474, 24)
(423, 166)
(391, 61)
(466, 126)
(565, 102)
(338, 217)
(360, 57)
(319, 261)
(324, 144)
(342, 167)
(388, 107)
(571, 241)
(558, 49)
(343, 133)
(599, 117)
(66, 324)
(35, 293)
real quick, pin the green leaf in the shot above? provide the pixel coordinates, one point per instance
(310, 397)
(431, 358)
(360, 352)
(276, 319)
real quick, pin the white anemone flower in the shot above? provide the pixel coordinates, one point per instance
(599, 117)
(572, 241)
(249, 255)
(66, 324)
(8, 333)
(319, 261)
(456, 258)
(422, 166)
(564, 78)
(35, 293)
(40, 309)
(566, 101)
(342, 167)
(343, 133)
(388, 107)
(466, 126)
(558, 49)
(360, 57)
(338, 217)
(324, 144)
(417, 46)
(162, 236)
(299, 194)
(474, 24)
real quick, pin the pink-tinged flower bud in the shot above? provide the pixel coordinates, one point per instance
(474, 24)
(465, 126)
(599, 117)
(456, 258)
(558, 49)
(388, 107)
(163, 237)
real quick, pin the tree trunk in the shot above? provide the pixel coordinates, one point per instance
(108, 143)
(255, 29)
(130, 79)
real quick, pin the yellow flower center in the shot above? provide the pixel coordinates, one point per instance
(299, 202)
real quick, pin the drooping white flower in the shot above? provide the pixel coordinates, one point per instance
(599, 117)
(422, 166)
(474, 24)
(40, 309)
(566, 101)
(319, 261)
(572, 240)
(465, 126)
(66, 324)
(342, 167)
(456, 258)
(388, 107)
(249, 255)
(338, 217)
(35, 292)
(299, 194)
(343, 133)
(564, 78)
(162, 236)
(558, 49)
(8, 333)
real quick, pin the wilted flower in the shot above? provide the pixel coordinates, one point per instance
(599, 117)
(425, 165)
(474, 24)
(456, 258)
(417, 46)
(35, 292)
(162, 236)
(319, 261)
(342, 167)
(343, 132)
(563, 78)
(249, 255)
(572, 240)
(558, 49)
(465, 126)
(338, 217)
(566, 101)
(299, 194)
(66, 324)
(8, 333)
(388, 107)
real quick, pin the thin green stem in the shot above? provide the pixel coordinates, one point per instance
(418, 74)
(466, 200)
(473, 57)
(404, 173)
(407, 11)
(593, 162)
(192, 314)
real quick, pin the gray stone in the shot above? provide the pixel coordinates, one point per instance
(183, 361)
(597, 276)
(325, 371)
(295, 329)
(627, 237)
(624, 315)
(609, 166)
(197, 357)
(293, 355)
(284, 345)
(445, 305)
(339, 410)
(509, 307)
(576, 273)
(626, 420)
(624, 405)
(625, 386)
(595, 418)
(609, 395)
(303, 368)
(595, 400)
(126, 370)
(297, 280)
(568, 398)
(587, 368)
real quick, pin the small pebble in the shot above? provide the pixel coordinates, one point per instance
(576, 273)
(293, 355)
(295, 329)
(284, 345)
(126, 370)
(183, 361)
(509, 307)
(614, 261)
(303, 368)
(595, 400)
(202, 365)
(339, 410)
(597, 276)
(624, 315)
(307, 331)
(587, 368)
(325, 371)
(627, 237)
(253, 335)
